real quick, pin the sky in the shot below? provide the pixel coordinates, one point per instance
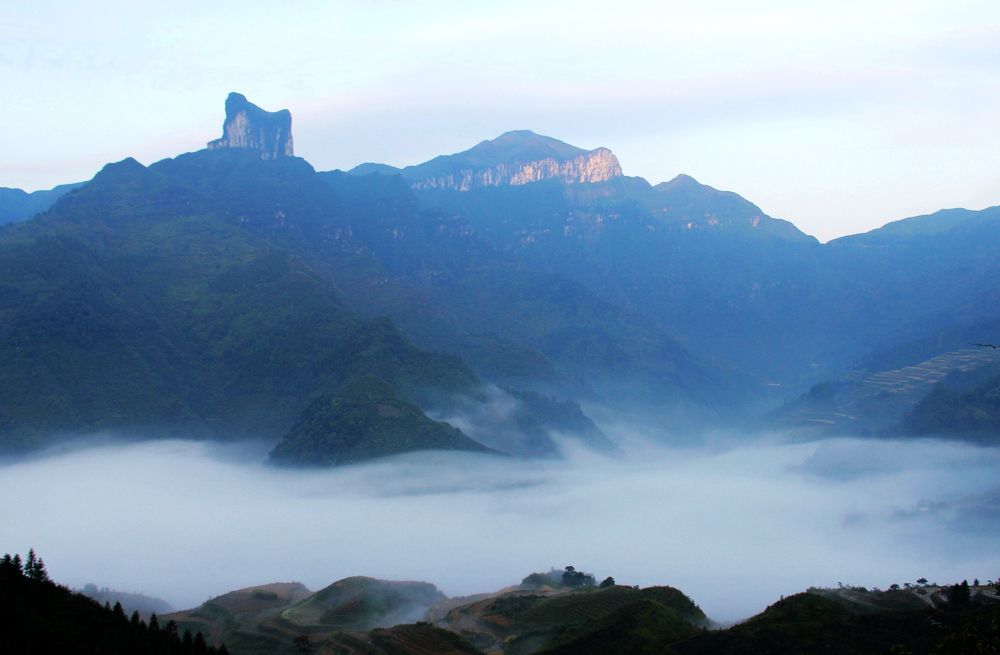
(839, 116)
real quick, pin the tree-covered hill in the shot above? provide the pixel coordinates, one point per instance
(143, 302)
(364, 420)
(39, 617)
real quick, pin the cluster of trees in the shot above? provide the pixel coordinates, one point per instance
(573, 578)
(40, 616)
(568, 577)
(32, 568)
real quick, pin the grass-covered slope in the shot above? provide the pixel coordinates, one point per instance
(825, 622)
(525, 621)
(362, 603)
(639, 629)
(353, 616)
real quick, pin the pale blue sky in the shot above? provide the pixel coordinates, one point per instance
(839, 116)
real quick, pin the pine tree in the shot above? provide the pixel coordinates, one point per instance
(40, 573)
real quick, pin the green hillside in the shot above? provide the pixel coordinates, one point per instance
(140, 303)
(362, 421)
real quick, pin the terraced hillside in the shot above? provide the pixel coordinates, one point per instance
(916, 380)
(875, 402)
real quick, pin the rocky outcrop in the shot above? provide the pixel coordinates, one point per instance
(512, 159)
(594, 166)
(250, 127)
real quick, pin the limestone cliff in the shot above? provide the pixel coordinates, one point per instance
(248, 126)
(514, 158)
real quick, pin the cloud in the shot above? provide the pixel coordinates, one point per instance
(734, 525)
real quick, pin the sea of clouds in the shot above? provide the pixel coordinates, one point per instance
(735, 523)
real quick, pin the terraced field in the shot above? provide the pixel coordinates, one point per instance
(917, 379)
(862, 402)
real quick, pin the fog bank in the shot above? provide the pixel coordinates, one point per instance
(735, 526)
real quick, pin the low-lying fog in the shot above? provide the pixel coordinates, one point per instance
(735, 525)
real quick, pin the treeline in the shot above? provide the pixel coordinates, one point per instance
(38, 616)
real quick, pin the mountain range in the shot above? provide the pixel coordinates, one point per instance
(236, 291)
(551, 613)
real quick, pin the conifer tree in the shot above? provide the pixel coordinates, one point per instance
(29, 566)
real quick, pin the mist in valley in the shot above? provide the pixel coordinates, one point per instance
(734, 523)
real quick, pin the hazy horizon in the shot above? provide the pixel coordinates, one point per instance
(734, 524)
(839, 117)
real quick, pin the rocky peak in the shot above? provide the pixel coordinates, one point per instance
(250, 127)
(512, 159)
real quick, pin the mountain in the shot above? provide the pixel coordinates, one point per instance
(249, 127)
(143, 302)
(557, 618)
(949, 411)
(17, 205)
(678, 300)
(872, 400)
(919, 275)
(357, 615)
(571, 619)
(220, 293)
(860, 622)
(362, 603)
(952, 222)
(362, 421)
(370, 168)
(685, 203)
(512, 159)
(367, 616)
(725, 280)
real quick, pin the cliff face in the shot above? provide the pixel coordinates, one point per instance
(514, 158)
(593, 166)
(248, 126)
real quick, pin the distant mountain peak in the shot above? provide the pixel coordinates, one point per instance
(250, 127)
(680, 181)
(686, 202)
(126, 168)
(512, 159)
(373, 168)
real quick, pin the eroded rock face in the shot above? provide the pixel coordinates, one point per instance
(248, 126)
(593, 166)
